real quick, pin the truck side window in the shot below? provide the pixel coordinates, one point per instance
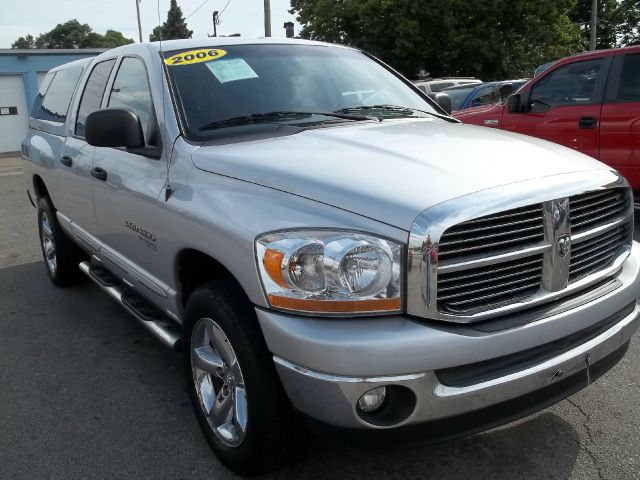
(573, 84)
(93, 93)
(629, 89)
(484, 96)
(131, 90)
(53, 104)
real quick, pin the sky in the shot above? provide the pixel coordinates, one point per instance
(22, 17)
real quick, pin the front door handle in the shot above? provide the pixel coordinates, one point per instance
(99, 173)
(66, 161)
(588, 122)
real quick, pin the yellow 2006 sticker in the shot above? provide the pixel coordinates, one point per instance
(195, 56)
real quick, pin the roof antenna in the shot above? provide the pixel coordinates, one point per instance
(167, 186)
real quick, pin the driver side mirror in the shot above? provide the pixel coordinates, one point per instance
(514, 103)
(444, 102)
(114, 127)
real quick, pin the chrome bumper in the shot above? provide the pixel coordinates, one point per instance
(326, 364)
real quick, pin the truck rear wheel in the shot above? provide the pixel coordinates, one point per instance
(61, 254)
(235, 391)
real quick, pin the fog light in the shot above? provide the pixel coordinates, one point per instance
(372, 400)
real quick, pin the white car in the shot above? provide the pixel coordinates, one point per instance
(435, 85)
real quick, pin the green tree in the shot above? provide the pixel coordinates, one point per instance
(618, 22)
(24, 42)
(174, 28)
(490, 39)
(629, 22)
(608, 18)
(72, 34)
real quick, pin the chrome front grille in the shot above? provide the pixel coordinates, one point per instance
(495, 260)
(496, 284)
(509, 229)
(596, 208)
(596, 253)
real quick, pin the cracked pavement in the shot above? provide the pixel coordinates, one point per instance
(85, 392)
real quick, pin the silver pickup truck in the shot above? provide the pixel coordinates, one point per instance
(325, 245)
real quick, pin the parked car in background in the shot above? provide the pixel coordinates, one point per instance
(588, 102)
(435, 85)
(543, 67)
(477, 95)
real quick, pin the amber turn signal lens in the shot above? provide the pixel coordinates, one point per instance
(334, 306)
(272, 261)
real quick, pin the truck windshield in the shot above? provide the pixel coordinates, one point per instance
(230, 86)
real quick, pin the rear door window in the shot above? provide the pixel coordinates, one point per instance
(53, 103)
(629, 89)
(93, 93)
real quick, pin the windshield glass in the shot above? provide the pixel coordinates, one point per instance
(215, 85)
(458, 96)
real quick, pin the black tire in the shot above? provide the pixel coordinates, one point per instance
(273, 432)
(67, 254)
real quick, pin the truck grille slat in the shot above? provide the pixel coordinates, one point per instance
(506, 295)
(456, 294)
(491, 285)
(483, 277)
(596, 253)
(596, 208)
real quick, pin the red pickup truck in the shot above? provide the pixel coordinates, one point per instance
(589, 102)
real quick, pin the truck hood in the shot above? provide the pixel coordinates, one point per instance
(391, 171)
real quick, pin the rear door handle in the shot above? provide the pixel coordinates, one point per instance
(99, 173)
(66, 161)
(588, 122)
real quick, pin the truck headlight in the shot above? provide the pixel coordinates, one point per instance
(333, 272)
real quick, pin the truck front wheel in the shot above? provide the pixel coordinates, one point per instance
(234, 388)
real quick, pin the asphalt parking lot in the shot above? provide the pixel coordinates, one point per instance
(85, 392)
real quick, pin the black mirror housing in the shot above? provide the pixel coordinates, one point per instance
(114, 127)
(514, 103)
(444, 102)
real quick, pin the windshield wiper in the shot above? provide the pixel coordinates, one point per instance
(393, 109)
(271, 116)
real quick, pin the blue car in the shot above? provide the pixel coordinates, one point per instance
(488, 93)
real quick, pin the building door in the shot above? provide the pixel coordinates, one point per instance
(14, 117)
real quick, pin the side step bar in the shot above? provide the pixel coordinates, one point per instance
(143, 312)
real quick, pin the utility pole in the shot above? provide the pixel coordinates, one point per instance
(139, 24)
(594, 24)
(267, 18)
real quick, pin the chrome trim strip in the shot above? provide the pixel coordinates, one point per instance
(502, 257)
(579, 237)
(554, 191)
(325, 377)
(446, 391)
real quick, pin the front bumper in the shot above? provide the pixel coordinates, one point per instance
(326, 364)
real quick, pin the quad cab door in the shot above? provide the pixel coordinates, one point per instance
(620, 123)
(564, 106)
(77, 156)
(127, 186)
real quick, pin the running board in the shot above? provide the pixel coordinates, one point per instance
(133, 304)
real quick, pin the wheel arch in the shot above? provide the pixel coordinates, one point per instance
(195, 268)
(39, 187)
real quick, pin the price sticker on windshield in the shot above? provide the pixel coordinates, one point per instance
(195, 56)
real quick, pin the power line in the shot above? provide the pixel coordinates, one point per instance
(225, 7)
(199, 7)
